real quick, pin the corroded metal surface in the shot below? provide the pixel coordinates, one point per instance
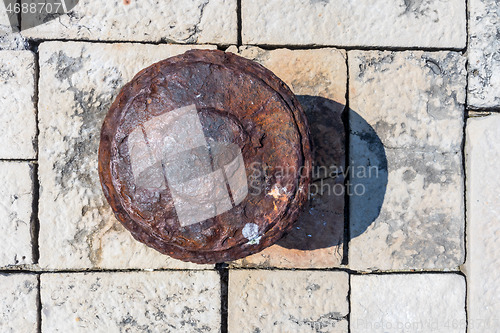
(187, 122)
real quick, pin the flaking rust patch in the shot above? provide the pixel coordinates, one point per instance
(277, 192)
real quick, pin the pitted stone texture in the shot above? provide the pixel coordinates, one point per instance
(420, 224)
(77, 227)
(408, 303)
(484, 54)
(318, 78)
(10, 39)
(318, 72)
(131, 302)
(17, 105)
(483, 234)
(407, 107)
(400, 23)
(413, 100)
(16, 198)
(287, 301)
(199, 21)
(18, 304)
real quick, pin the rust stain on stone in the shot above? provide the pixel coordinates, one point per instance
(228, 187)
(127, 2)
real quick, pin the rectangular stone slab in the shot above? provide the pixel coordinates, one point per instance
(16, 198)
(318, 78)
(483, 223)
(408, 303)
(131, 302)
(412, 99)
(398, 23)
(407, 204)
(78, 83)
(199, 21)
(410, 215)
(287, 301)
(18, 303)
(17, 96)
(484, 54)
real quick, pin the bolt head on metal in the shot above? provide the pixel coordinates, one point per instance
(205, 157)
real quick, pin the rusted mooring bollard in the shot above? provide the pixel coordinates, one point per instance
(205, 157)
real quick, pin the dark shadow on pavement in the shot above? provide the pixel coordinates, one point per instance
(321, 224)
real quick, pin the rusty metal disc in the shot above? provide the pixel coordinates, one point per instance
(205, 157)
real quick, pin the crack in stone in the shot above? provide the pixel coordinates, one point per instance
(193, 37)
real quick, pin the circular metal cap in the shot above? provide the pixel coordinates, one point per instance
(205, 157)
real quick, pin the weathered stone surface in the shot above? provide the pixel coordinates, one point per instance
(318, 78)
(317, 72)
(484, 54)
(420, 224)
(77, 229)
(17, 93)
(10, 39)
(413, 100)
(131, 302)
(287, 301)
(361, 23)
(408, 303)
(200, 21)
(18, 306)
(16, 197)
(483, 223)
(406, 122)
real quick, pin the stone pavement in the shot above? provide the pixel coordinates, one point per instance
(402, 98)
